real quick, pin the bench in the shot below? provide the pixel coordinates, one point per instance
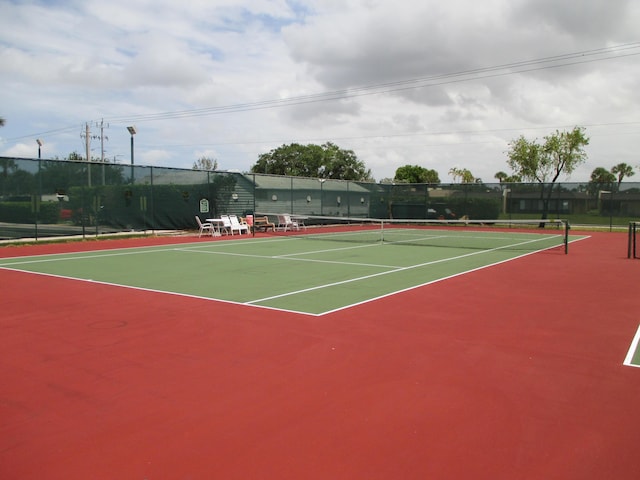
(263, 223)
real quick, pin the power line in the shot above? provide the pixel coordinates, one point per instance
(520, 67)
(557, 61)
(545, 128)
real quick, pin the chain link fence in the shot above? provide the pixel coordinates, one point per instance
(46, 198)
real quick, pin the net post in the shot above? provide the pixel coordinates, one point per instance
(567, 227)
(632, 241)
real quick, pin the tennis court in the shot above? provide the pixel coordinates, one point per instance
(315, 271)
(199, 358)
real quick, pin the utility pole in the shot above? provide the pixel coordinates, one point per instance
(87, 139)
(102, 139)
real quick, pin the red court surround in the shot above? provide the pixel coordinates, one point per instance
(512, 372)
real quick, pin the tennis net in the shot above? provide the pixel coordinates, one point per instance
(527, 235)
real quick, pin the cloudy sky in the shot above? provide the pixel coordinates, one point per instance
(439, 84)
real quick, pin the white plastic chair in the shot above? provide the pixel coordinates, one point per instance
(237, 226)
(299, 221)
(285, 223)
(226, 224)
(204, 226)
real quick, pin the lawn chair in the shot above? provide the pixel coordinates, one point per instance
(236, 225)
(248, 220)
(204, 226)
(285, 223)
(226, 224)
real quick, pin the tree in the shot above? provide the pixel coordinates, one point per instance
(502, 177)
(205, 163)
(316, 161)
(57, 176)
(602, 176)
(294, 160)
(8, 168)
(343, 164)
(416, 174)
(6, 164)
(464, 175)
(560, 154)
(622, 170)
(601, 179)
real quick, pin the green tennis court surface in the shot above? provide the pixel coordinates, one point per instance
(633, 355)
(312, 274)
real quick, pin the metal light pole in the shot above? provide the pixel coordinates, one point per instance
(132, 131)
(37, 198)
(321, 180)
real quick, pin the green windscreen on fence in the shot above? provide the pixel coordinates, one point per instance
(45, 198)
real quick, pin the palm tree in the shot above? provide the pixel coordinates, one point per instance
(501, 176)
(463, 174)
(622, 170)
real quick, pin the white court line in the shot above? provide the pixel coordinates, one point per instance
(366, 277)
(325, 250)
(146, 289)
(56, 257)
(129, 251)
(61, 257)
(289, 258)
(632, 350)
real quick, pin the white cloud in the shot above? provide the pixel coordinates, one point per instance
(63, 64)
(22, 150)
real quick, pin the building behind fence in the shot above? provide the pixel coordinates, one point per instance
(44, 198)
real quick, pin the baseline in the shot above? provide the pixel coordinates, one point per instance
(633, 348)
